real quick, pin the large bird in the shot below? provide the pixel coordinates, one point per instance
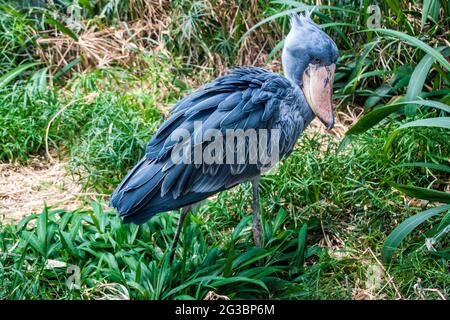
(246, 99)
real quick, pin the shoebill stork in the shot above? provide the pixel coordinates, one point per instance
(245, 98)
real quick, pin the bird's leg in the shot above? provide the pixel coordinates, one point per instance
(183, 213)
(257, 227)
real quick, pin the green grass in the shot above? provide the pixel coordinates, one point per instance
(327, 212)
(112, 138)
(342, 195)
(24, 117)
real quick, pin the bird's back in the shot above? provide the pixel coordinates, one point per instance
(247, 100)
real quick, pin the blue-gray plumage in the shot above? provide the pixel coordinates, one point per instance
(245, 98)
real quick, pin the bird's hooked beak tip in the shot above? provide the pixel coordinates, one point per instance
(328, 124)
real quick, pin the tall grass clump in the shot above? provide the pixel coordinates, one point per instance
(113, 138)
(17, 38)
(121, 110)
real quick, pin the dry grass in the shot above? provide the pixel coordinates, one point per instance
(26, 189)
(98, 48)
(343, 121)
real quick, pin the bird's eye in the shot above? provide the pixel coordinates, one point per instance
(316, 60)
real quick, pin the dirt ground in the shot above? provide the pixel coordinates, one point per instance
(26, 189)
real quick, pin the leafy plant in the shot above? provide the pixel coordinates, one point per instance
(106, 250)
(405, 228)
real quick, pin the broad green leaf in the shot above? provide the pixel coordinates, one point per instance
(251, 256)
(233, 280)
(186, 284)
(430, 8)
(338, 24)
(430, 165)
(425, 11)
(98, 213)
(423, 193)
(344, 142)
(301, 246)
(95, 221)
(11, 75)
(405, 228)
(41, 225)
(417, 81)
(228, 268)
(275, 49)
(24, 222)
(68, 244)
(34, 242)
(184, 297)
(374, 117)
(61, 28)
(440, 122)
(39, 81)
(435, 10)
(395, 7)
(279, 219)
(399, 80)
(238, 229)
(260, 272)
(111, 259)
(445, 222)
(361, 76)
(66, 68)
(381, 92)
(416, 43)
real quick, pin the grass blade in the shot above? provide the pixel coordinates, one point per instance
(42, 226)
(435, 166)
(374, 117)
(425, 11)
(233, 280)
(301, 247)
(61, 28)
(440, 122)
(416, 43)
(417, 81)
(11, 75)
(405, 228)
(423, 193)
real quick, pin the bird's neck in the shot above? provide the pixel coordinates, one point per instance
(293, 67)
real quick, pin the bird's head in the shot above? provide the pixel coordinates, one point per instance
(309, 57)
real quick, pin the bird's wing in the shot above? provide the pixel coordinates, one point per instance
(234, 96)
(246, 98)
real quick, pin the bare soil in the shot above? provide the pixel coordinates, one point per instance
(26, 189)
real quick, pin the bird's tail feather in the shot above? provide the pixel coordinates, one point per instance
(138, 188)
